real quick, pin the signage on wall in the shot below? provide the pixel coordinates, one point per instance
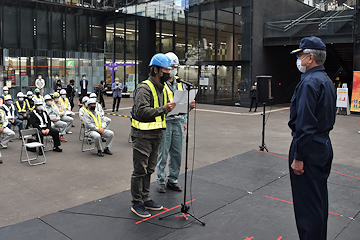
(11, 76)
(70, 63)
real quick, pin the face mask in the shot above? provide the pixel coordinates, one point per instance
(8, 102)
(39, 108)
(164, 77)
(92, 108)
(48, 103)
(173, 72)
(255, 84)
(30, 97)
(299, 66)
(56, 99)
(56, 78)
(84, 78)
(63, 96)
(21, 99)
(39, 77)
(6, 92)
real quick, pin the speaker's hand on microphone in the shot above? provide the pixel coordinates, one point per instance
(170, 106)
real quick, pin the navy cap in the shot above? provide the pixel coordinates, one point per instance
(310, 43)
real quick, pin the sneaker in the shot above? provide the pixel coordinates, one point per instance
(57, 149)
(69, 132)
(174, 186)
(63, 139)
(161, 188)
(3, 145)
(359, 131)
(151, 205)
(140, 210)
(100, 154)
(107, 151)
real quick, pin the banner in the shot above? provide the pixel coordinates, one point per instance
(355, 99)
(342, 98)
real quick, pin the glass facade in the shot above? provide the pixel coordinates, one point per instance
(211, 38)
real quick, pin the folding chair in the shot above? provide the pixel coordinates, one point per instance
(48, 140)
(88, 142)
(82, 128)
(25, 134)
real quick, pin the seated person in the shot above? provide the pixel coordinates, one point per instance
(100, 110)
(29, 101)
(22, 107)
(63, 113)
(9, 134)
(55, 117)
(38, 95)
(40, 119)
(5, 92)
(95, 128)
(83, 108)
(65, 101)
(11, 113)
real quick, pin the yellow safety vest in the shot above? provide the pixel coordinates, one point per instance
(97, 121)
(65, 103)
(23, 109)
(160, 121)
(170, 93)
(36, 97)
(60, 110)
(2, 117)
(28, 104)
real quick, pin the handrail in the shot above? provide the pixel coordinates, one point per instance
(299, 19)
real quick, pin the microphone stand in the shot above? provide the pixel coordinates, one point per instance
(184, 208)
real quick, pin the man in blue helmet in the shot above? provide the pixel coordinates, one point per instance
(312, 117)
(148, 120)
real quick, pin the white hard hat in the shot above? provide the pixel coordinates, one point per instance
(7, 97)
(38, 101)
(47, 97)
(20, 94)
(62, 91)
(29, 93)
(85, 99)
(91, 100)
(5, 88)
(93, 95)
(173, 59)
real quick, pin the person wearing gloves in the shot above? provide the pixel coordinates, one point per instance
(172, 141)
(83, 109)
(116, 89)
(62, 112)
(23, 110)
(95, 128)
(148, 120)
(38, 95)
(100, 110)
(40, 84)
(11, 113)
(55, 117)
(4, 129)
(40, 119)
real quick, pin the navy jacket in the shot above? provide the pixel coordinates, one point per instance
(312, 110)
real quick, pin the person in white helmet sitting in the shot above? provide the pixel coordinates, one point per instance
(5, 92)
(83, 108)
(55, 117)
(95, 128)
(64, 100)
(22, 107)
(4, 129)
(62, 111)
(40, 119)
(29, 101)
(11, 113)
(100, 110)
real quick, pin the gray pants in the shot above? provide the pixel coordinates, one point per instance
(68, 120)
(107, 121)
(145, 154)
(108, 135)
(9, 134)
(62, 126)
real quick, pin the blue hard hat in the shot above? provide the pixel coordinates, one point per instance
(310, 43)
(160, 60)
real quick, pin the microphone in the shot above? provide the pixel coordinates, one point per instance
(184, 82)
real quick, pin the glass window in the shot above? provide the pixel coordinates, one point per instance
(57, 31)
(71, 43)
(10, 31)
(42, 27)
(27, 28)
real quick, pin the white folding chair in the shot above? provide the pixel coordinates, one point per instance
(82, 128)
(88, 141)
(25, 135)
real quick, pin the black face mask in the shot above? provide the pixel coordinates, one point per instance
(92, 108)
(164, 77)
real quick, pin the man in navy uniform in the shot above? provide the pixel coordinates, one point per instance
(312, 117)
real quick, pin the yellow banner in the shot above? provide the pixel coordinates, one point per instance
(355, 98)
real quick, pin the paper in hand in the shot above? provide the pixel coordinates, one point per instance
(180, 97)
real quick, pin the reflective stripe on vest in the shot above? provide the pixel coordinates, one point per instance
(65, 103)
(2, 117)
(170, 93)
(19, 108)
(28, 104)
(40, 97)
(160, 121)
(60, 110)
(97, 121)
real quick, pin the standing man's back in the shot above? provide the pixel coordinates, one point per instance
(312, 117)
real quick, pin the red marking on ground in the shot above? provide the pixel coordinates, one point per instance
(248, 238)
(279, 238)
(345, 174)
(166, 210)
(183, 215)
(292, 203)
(272, 154)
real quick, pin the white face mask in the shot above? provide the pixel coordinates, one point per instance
(8, 102)
(63, 96)
(6, 92)
(84, 78)
(48, 103)
(299, 66)
(173, 72)
(30, 97)
(56, 78)
(255, 83)
(21, 99)
(39, 108)
(39, 77)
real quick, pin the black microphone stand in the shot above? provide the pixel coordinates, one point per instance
(263, 144)
(184, 208)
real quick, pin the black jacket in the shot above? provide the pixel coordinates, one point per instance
(35, 122)
(70, 92)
